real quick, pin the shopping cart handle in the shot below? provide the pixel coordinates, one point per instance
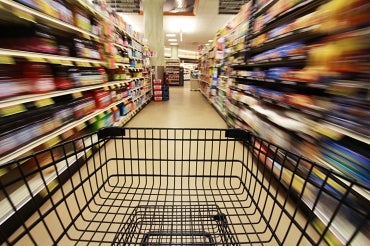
(239, 134)
(110, 132)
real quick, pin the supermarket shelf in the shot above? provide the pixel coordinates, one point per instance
(222, 89)
(33, 15)
(122, 64)
(24, 149)
(300, 34)
(123, 120)
(292, 13)
(121, 46)
(21, 196)
(94, 11)
(295, 83)
(55, 59)
(342, 131)
(313, 111)
(204, 81)
(218, 110)
(263, 8)
(299, 60)
(35, 97)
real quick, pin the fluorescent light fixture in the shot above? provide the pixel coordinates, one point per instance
(177, 24)
(170, 35)
(174, 43)
(172, 40)
(210, 40)
(180, 4)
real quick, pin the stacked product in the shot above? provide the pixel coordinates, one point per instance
(161, 91)
(174, 73)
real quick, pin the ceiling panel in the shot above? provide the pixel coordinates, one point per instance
(230, 6)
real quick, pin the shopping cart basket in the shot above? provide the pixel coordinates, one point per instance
(178, 187)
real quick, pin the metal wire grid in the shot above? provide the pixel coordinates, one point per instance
(179, 187)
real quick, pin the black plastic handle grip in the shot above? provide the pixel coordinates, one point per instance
(106, 132)
(239, 134)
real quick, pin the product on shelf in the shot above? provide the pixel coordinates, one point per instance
(62, 78)
(337, 15)
(286, 50)
(63, 10)
(81, 18)
(34, 38)
(83, 106)
(102, 98)
(39, 76)
(11, 82)
(87, 49)
(22, 128)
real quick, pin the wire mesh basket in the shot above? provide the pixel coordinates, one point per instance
(139, 186)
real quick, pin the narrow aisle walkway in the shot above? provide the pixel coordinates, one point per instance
(185, 108)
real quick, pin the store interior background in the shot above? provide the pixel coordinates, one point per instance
(187, 24)
(320, 111)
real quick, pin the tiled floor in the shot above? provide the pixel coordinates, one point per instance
(185, 108)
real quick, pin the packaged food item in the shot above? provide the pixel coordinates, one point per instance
(115, 113)
(47, 7)
(61, 77)
(87, 49)
(82, 107)
(11, 82)
(63, 10)
(74, 75)
(29, 3)
(102, 98)
(81, 18)
(35, 38)
(39, 76)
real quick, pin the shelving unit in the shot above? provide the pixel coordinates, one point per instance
(174, 73)
(271, 84)
(134, 82)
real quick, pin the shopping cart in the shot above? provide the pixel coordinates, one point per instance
(178, 187)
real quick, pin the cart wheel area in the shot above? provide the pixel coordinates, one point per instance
(181, 187)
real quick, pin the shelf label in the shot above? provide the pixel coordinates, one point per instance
(86, 36)
(23, 15)
(36, 59)
(55, 61)
(82, 64)
(81, 126)
(51, 186)
(6, 60)
(52, 142)
(77, 95)
(13, 110)
(66, 63)
(92, 120)
(67, 134)
(3, 171)
(328, 132)
(44, 102)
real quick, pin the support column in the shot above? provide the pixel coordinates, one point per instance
(174, 51)
(153, 26)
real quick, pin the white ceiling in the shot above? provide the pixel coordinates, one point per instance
(196, 29)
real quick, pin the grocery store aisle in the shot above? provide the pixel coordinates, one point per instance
(185, 108)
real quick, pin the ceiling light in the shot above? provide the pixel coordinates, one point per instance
(180, 4)
(172, 40)
(170, 35)
(174, 44)
(210, 40)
